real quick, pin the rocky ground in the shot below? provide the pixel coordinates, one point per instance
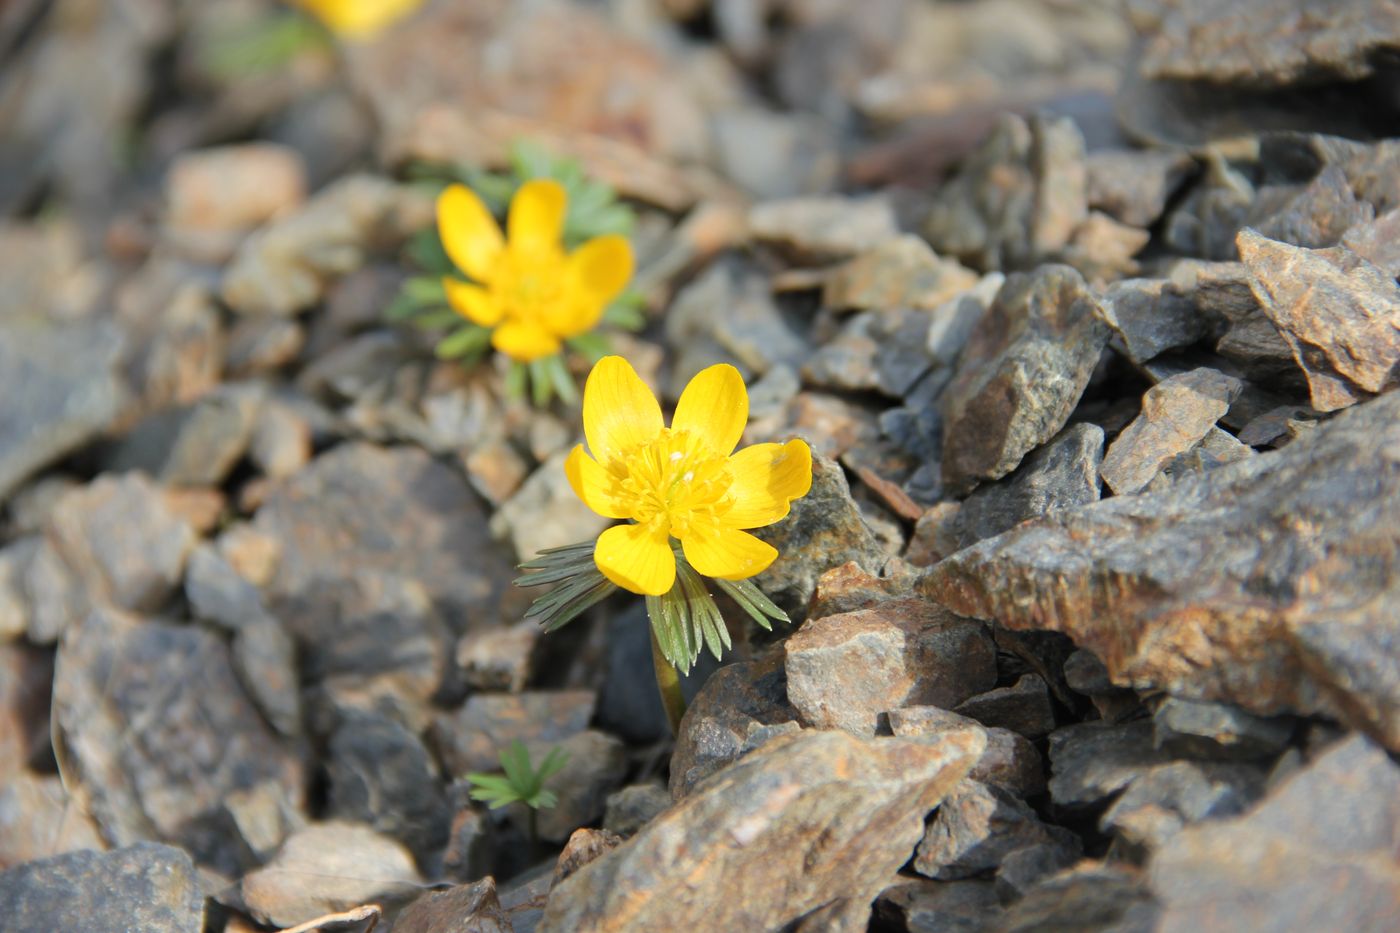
(1090, 312)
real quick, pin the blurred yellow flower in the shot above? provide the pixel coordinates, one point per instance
(526, 287)
(684, 482)
(358, 19)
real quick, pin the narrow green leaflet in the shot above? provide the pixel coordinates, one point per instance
(468, 341)
(751, 599)
(522, 783)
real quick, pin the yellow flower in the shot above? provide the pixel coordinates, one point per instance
(682, 482)
(359, 19)
(533, 293)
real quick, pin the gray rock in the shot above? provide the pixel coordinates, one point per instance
(361, 510)
(281, 441)
(219, 593)
(1275, 625)
(40, 820)
(1265, 44)
(496, 659)
(824, 530)
(1016, 200)
(742, 706)
(147, 887)
(472, 738)
(820, 229)
(1156, 805)
(774, 154)
(817, 817)
(381, 775)
(884, 351)
(1151, 316)
(1091, 897)
(596, 766)
(728, 315)
(1023, 708)
(157, 732)
(1022, 869)
(1020, 375)
(1061, 475)
(1378, 242)
(196, 445)
(940, 906)
(59, 389)
(844, 671)
(1177, 413)
(1009, 760)
(471, 845)
(1315, 216)
(1091, 761)
(1133, 185)
(466, 908)
(976, 826)
(265, 660)
(899, 273)
(1339, 314)
(325, 868)
(1330, 827)
(1218, 731)
(546, 513)
(632, 807)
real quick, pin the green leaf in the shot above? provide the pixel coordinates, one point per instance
(424, 249)
(553, 763)
(436, 319)
(544, 800)
(529, 159)
(561, 380)
(517, 376)
(593, 347)
(465, 342)
(627, 311)
(753, 601)
(541, 386)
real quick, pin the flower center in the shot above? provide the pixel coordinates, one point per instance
(675, 481)
(529, 285)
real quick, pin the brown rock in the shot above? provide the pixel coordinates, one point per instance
(1021, 374)
(900, 273)
(1092, 761)
(1227, 586)
(1158, 803)
(1023, 708)
(976, 827)
(822, 229)
(850, 587)
(1133, 186)
(1089, 897)
(41, 820)
(843, 671)
(215, 195)
(473, 738)
(1329, 828)
(595, 768)
(741, 707)
(830, 815)
(583, 846)
(1338, 312)
(1177, 413)
(1009, 760)
(467, 908)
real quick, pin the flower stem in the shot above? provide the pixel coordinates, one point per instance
(668, 683)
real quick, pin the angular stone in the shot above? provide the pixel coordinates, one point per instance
(824, 530)
(228, 190)
(59, 389)
(1023, 708)
(496, 659)
(1091, 897)
(975, 827)
(583, 846)
(1102, 249)
(1331, 827)
(850, 587)
(1009, 760)
(1201, 592)
(147, 887)
(381, 775)
(157, 733)
(1177, 413)
(1315, 215)
(1091, 761)
(329, 867)
(285, 267)
(40, 820)
(359, 510)
(1061, 475)
(831, 815)
(1218, 731)
(1020, 375)
(217, 592)
(822, 229)
(1378, 242)
(1338, 312)
(742, 706)
(1134, 185)
(1156, 805)
(472, 738)
(1022, 869)
(546, 513)
(899, 273)
(281, 442)
(26, 685)
(466, 908)
(1264, 43)
(940, 906)
(728, 314)
(884, 351)
(1016, 200)
(843, 671)
(1151, 316)
(629, 809)
(596, 766)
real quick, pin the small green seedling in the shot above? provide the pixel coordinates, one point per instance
(521, 782)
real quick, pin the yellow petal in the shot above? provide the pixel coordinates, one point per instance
(472, 302)
(728, 553)
(602, 267)
(637, 558)
(767, 477)
(524, 341)
(357, 19)
(469, 233)
(536, 218)
(714, 407)
(575, 315)
(619, 411)
(593, 484)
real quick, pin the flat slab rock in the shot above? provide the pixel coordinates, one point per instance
(360, 509)
(1268, 583)
(147, 887)
(1317, 854)
(805, 821)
